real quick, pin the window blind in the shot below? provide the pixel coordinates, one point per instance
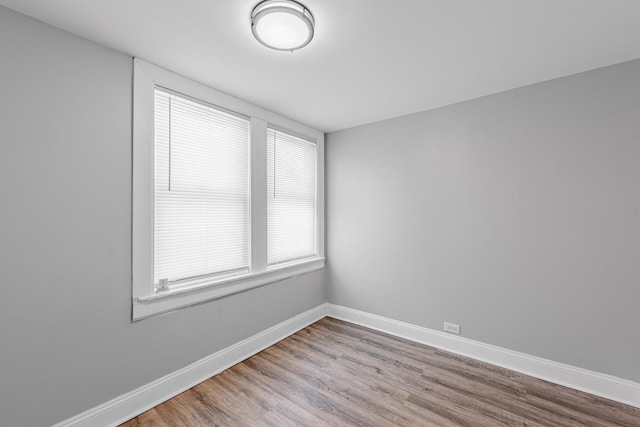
(291, 198)
(201, 190)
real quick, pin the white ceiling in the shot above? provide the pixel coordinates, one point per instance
(370, 59)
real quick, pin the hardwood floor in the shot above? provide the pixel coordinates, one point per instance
(334, 373)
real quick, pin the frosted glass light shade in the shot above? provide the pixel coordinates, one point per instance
(282, 24)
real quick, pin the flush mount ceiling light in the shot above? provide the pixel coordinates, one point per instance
(282, 24)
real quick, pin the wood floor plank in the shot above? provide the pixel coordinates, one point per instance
(277, 407)
(365, 373)
(356, 397)
(437, 388)
(334, 373)
(500, 378)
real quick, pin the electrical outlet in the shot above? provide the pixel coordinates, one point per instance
(452, 328)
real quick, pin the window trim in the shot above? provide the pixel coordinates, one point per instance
(146, 301)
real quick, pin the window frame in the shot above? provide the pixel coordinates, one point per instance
(146, 300)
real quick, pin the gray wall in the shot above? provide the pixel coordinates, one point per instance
(516, 215)
(66, 341)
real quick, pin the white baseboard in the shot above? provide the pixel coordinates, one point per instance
(134, 403)
(607, 386)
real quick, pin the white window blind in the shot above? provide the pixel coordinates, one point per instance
(201, 189)
(291, 198)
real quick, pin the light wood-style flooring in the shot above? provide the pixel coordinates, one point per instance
(334, 373)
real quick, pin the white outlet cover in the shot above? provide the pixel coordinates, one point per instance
(452, 328)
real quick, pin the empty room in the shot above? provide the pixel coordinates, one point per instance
(320, 213)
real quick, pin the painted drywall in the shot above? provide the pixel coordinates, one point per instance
(66, 338)
(515, 215)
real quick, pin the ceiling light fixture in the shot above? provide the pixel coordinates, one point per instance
(282, 24)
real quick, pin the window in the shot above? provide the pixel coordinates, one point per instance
(201, 191)
(291, 198)
(226, 196)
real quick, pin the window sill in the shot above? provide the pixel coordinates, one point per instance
(185, 296)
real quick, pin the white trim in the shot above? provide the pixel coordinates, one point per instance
(142, 182)
(174, 299)
(170, 80)
(134, 403)
(607, 386)
(320, 195)
(146, 301)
